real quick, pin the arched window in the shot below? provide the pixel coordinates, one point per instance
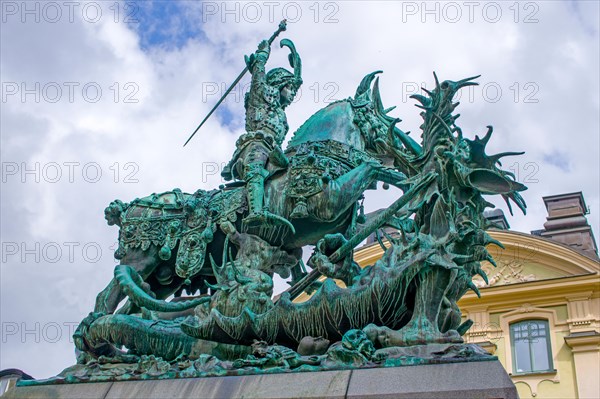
(530, 344)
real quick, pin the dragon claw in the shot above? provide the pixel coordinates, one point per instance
(473, 287)
(483, 275)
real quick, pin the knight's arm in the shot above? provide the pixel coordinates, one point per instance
(257, 67)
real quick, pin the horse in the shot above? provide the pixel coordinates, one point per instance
(333, 159)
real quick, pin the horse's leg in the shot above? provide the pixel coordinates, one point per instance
(390, 176)
(108, 299)
(144, 262)
(341, 193)
(360, 178)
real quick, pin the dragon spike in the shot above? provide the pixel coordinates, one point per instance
(487, 239)
(496, 157)
(391, 128)
(437, 81)
(508, 173)
(365, 85)
(422, 99)
(225, 249)
(483, 275)
(472, 286)
(216, 269)
(377, 96)
(238, 276)
(430, 93)
(462, 259)
(388, 110)
(403, 235)
(516, 197)
(488, 134)
(467, 82)
(505, 197)
(408, 142)
(490, 259)
(487, 204)
(520, 202)
(379, 104)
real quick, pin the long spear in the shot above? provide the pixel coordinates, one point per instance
(282, 27)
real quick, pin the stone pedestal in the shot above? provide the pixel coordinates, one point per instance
(483, 379)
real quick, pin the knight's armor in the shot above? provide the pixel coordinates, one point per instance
(266, 127)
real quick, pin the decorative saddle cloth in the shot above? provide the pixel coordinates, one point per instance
(174, 219)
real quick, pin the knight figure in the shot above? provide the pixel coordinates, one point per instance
(266, 127)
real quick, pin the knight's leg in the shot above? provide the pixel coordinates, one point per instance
(255, 174)
(255, 186)
(259, 214)
(253, 161)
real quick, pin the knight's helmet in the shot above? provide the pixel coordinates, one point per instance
(279, 77)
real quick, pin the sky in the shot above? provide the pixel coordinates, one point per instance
(99, 97)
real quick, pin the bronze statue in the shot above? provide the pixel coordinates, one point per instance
(223, 246)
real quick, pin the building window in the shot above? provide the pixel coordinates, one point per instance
(530, 342)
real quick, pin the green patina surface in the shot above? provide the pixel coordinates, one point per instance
(216, 251)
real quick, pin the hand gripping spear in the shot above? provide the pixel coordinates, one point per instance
(282, 27)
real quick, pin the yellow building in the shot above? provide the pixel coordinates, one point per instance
(540, 313)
